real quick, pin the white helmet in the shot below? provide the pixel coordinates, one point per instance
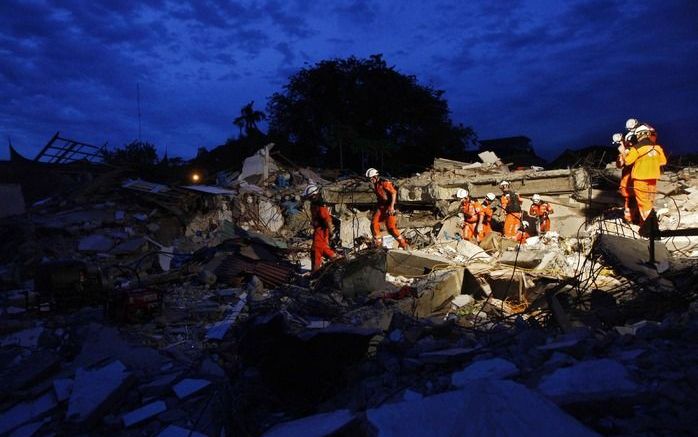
(371, 172)
(631, 124)
(461, 193)
(617, 138)
(536, 198)
(310, 190)
(490, 197)
(503, 184)
(643, 131)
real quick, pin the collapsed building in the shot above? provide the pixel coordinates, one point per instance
(146, 307)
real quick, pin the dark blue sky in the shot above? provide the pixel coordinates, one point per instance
(565, 73)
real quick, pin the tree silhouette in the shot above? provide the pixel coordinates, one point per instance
(361, 112)
(248, 120)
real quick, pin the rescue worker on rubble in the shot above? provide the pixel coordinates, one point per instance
(471, 211)
(487, 208)
(386, 196)
(625, 187)
(321, 221)
(511, 202)
(646, 159)
(541, 211)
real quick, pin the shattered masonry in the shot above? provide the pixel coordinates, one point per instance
(137, 306)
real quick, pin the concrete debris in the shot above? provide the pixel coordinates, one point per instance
(26, 412)
(144, 413)
(96, 391)
(526, 413)
(153, 307)
(495, 368)
(188, 387)
(589, 381)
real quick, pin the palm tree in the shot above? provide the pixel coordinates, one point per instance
(248, 119)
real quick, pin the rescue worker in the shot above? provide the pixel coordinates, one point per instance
(647, 158)
(625, 187)
(386, 196)
(321, 221)
(471, 214)
(484, 225)
(511, 202)
(541, 211)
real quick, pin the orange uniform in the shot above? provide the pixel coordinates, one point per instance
(647, 159)
(322, 224)
(626, 188)
(385, 191)
(471, 211)
(541, 211)
(486, 213)
(512, 206)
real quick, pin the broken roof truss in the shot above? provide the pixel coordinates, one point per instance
(64, 151)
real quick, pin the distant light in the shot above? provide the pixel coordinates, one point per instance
(195, 177)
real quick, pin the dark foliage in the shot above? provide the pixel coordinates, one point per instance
(357, 113)
(136, 154)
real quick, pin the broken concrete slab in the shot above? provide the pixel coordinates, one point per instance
(128, 247)
(12, 200)
(523, 257)
(494, 368)
(448, 355)
(62, 387)
(589, 381)
(364, 274)
(34, 368)
(158, 386)
(526, 414)
(177, 431)
(440, 289)
(95, 391)
(630, 255)
(27, 338)
(190, 386)
(29, 429)
(95, 243)
(143, 413)
(317, 425)
(26, 412)
(413, 262)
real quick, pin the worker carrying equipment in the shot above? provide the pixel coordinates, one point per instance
(511, 202)
(646, 159)
(541, 211)
(625, 187)
(486, 212)
(471, 211)
(386, 196)
(321, 220)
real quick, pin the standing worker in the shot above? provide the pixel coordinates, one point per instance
(322, 228)
(647, 159)
(625, 188)
(541, 211)
(471, 214)
(386, 196)
(511, 202)
(487, 210)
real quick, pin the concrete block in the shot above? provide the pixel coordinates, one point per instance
(190, 386)
(143, 413)
(495, 368)
(26, 412)
(441, 288)
(486, 407)
(591, 380)
(413, 263)
(364, 274)
(96, 391)
(95, 243)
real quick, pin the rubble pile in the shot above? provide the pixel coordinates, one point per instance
(151, 308)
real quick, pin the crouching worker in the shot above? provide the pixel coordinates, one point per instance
(471, 214)
(487, 208)
(321, 221)
(386, 196)
(541, 211)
